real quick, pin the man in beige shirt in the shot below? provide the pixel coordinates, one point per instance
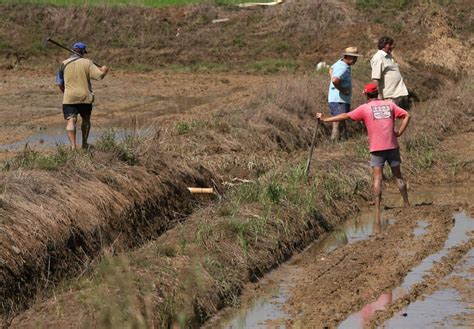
(386, 74)
(74, 80)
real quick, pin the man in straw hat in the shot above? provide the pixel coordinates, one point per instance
(340, 88)
(379, 118)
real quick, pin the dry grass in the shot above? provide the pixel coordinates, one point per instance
(52, 225)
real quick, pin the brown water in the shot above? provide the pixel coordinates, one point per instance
(441, 304)
(264, 310)
(51, 137)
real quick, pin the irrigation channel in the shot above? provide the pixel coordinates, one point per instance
(267, 309)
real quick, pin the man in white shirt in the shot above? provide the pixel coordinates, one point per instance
(386, 74)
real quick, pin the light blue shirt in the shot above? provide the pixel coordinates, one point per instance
(342, 71)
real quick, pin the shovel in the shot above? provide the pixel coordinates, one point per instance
(68, 49)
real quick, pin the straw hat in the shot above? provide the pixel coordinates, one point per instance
(351, 51)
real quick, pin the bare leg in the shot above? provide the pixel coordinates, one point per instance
(402, 186)
(85, 129)
(335, 131)
(71, 131)
(377, 191)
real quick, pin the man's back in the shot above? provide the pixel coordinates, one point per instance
(77, 75)
(342, 71)
(379, 119)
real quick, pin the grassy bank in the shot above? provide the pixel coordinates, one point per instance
(194, 269)
(258, 40)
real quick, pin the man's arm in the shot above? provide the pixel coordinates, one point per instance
(377, 82)
(376, 64)
(337, 118)
(403, 125)
(337, 83)
(97, 73)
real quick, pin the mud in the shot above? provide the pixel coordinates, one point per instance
(295, 296)
(124, 101)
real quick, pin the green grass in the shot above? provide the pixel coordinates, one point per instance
(144, 3)
(34, 160)
(126, 150)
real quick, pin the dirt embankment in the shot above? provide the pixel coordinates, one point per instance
(54, 223)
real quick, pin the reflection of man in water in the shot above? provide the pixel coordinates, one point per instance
(369, 310)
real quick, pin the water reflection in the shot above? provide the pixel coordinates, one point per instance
(463, 226)
(267, 307)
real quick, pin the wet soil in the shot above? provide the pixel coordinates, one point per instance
(343, 283)
(363, 278)
(31, 113)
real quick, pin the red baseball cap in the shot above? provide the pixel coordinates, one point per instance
(370, 88)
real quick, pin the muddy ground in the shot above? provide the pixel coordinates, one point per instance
(123, 100)
(383, 279)
(172, 98)
(244, 134)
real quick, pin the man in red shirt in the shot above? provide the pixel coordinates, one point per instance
(379, 119)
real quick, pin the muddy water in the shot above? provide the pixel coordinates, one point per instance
(264, 308)
(47, 138)
(442, 307)
(463, 226)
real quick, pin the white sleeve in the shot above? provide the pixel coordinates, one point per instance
(377, 67)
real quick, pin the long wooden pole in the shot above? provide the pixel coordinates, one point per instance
(308, 164)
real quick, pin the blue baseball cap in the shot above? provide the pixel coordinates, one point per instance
(80, 46)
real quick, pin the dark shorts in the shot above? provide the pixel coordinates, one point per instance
(72, 110)
(338, 108)
(378, 158)
(403, 102)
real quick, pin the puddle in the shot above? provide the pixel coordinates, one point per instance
(443, 308)
(442, 194)
(436, 310)
(264, 309)
(458, 235)
(421, 228)
(51, 137)
(260, 309)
